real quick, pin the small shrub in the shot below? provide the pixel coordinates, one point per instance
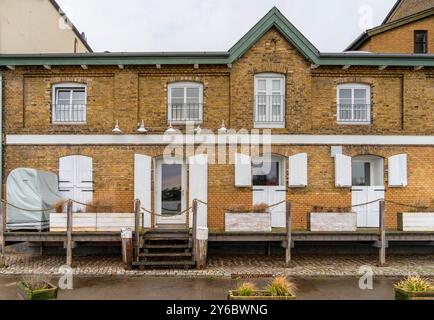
(100, 204)
(238, 208)
(281, 287)
(260, 208)
(246, 289)
(415, 284)
(36, 282)
(60, 206)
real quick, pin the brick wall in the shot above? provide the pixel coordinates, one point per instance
(400, 39)
(114, 175)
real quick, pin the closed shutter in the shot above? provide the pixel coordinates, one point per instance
(398, 171)
(198, 187)
(243, 170)
(297, 170)
(76, 179)
(142, 184)
(343, 174)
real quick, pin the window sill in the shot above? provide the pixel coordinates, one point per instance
(185, 122)
(269, 125)
(69, 123)
(354, 123)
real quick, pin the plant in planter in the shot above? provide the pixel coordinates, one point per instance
(414, 288)
(240, 218)
(36, 287)
(100, 204)
(279, 289)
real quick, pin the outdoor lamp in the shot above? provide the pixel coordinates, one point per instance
(141, 127)
(117, 129)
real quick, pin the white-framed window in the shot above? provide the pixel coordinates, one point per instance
(269, 108)
(69, 103)
(354, 103)
(185, 102)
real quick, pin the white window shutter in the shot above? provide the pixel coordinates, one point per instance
(66, 172)
(243, 170)
(198, 187)
(398, 171)
(343, 173)
(142, 184)
(297, 176)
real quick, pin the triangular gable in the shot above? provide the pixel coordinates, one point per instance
(274, 18)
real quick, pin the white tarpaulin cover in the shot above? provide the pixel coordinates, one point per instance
(32, 190)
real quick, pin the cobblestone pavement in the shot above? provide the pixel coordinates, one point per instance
(229, 266)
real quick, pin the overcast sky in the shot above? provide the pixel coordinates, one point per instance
(215, 25)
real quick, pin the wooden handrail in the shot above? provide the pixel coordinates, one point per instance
(137, 229)
(288, 235)
(194, 232)
(69, 233)
(382, 233)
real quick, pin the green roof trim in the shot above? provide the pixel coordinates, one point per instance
(388, 26)
(274, 18)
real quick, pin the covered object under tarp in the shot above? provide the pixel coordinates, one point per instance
(32, 190)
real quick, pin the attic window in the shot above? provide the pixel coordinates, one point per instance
(421, 41)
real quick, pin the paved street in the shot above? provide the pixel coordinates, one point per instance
(230, 266)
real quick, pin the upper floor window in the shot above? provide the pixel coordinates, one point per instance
(69, 103)
(421, 41)
(269, 109)
(185, 102)
(354, 103)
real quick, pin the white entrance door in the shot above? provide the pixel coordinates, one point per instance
(269, 188)
(367, 177)
(170, 186)
(76, 180)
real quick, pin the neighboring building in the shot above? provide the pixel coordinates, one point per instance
(408, 28)
(347, 128)
(38, 26)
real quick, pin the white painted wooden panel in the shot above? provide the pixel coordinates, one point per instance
(243, 170)
(398, 171)
(80, 222)
(368, 216)
(330, 221)
(247, 222)
(271, 195)
(198, 187)
(343, 177)
(417, 221)
(297, 176)
(142, 184)
(114, 221)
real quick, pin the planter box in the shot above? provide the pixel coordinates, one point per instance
(407, 295)
(416, 221)
(258, 295)
(333, 221)
(88, 222)
(245, 222)
(24, 293)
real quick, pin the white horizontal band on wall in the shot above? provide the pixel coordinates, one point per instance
(222, 139)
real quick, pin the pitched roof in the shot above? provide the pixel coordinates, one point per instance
(356, 44)
(74, 29)
(273, 19)
(405, 8)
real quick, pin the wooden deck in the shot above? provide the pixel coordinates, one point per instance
(221, 236)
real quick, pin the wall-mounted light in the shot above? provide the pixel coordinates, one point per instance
(223, 129)
(198, 130)
(117, 129)
(141, 127)
(170, 130)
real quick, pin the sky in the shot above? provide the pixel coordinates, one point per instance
(216, 25)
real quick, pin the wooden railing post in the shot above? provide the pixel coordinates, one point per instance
(194, 232)
(288, 235)
(2, 231)
(382, 233)
(69, 234)
(137, 229)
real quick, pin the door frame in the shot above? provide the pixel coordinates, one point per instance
(177, 220)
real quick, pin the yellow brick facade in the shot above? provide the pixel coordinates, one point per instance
(402, 104)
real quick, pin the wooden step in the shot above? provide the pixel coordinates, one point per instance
(164, 263)
(165, 254)
(167, 237)
(166, 246)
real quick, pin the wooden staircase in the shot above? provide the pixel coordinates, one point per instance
(166, 249)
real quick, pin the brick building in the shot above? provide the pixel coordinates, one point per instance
(346, 128)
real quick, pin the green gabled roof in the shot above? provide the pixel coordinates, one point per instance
(274, 18)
